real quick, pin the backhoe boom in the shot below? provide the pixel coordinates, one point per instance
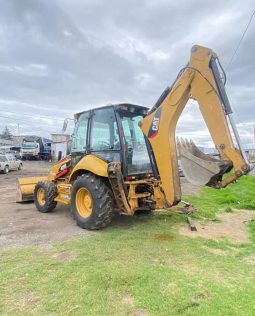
(199, 80)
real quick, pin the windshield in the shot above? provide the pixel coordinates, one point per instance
(138, 160)
(28, 145)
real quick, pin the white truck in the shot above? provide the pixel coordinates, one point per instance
(34, 147)
(9, 162)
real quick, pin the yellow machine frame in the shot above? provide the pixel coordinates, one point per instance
(196, 81)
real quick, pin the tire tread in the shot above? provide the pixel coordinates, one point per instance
(50, 192)
(103, 205)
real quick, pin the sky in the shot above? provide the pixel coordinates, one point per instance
(60, 57)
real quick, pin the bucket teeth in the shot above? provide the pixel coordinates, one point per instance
(199, 168)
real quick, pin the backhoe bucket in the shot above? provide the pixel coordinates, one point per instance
(25, 190)
(199, 168)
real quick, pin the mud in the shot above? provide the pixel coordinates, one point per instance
(163, 237)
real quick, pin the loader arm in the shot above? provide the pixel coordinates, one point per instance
(199, 80)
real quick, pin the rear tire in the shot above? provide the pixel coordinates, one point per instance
(6, 170)
(44, 195)
(92, 202)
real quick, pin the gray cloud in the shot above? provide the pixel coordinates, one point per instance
(60, 57)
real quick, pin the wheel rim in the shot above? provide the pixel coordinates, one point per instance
(84, 202)
(41, 196)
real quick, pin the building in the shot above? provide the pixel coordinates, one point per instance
(17, 140)
(6, 142)
(60, 146)
(250, 152)
(5, 145)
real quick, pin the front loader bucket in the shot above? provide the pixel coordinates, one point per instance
(25, 190)
(199, 168)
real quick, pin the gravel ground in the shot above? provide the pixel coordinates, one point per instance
(22, 225)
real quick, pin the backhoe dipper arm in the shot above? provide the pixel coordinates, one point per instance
(199, 80)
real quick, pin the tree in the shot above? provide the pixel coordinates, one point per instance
(6, 134)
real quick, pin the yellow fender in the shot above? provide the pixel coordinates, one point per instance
(92, 164)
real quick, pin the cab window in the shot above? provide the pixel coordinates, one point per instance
(104, 132)
(138, 161)
(80, 134)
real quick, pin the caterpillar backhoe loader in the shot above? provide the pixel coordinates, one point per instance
(124, 157)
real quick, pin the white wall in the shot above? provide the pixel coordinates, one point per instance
(56, 148)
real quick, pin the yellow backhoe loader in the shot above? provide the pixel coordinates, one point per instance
(124, 157)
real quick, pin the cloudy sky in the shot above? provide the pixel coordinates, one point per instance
(58, 57)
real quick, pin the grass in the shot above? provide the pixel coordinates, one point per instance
(138, 266)
(239, 195)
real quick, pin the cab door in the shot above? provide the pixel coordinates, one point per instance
(16, 162)
(79, 139)
(104, 135)
(11, 162)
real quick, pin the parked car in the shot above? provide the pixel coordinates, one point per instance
(9, 162)
(15, 153)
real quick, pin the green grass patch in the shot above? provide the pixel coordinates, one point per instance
(239, 195)
(252, 230)
(138, 266)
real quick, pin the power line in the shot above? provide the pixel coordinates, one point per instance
(239, 43)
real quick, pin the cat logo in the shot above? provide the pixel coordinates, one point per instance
(153, 132)
(155, 124)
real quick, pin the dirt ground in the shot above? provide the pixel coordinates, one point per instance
(231, 226)
(22, 225)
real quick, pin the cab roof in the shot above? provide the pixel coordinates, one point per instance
(125, 107)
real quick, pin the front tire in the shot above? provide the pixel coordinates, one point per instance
(92, 202)
(6, 170)
(20, 166)
(44, 195)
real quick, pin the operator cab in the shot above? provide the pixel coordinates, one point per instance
(113, 134)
